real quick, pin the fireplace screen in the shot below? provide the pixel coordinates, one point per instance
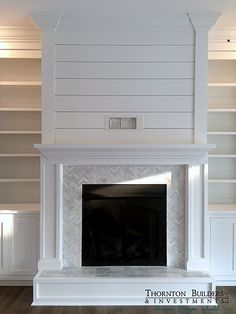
(124, 224)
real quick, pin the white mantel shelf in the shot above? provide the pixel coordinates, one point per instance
(162, 154)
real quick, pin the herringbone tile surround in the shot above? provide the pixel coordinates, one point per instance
(75, 176)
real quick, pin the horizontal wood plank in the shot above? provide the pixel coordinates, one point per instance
(101, 53)
(124, 103)
(160, 136)
(20, 121)
(222, 122)
(222, 71)
(21, 192)
(225, 144)
(20, 70)
(225, 91)
(222, 192)
(123, 70)
(123, 87)
(19, 143)
(18, 167)
(74, 120)
(127, 37)
(20, 96)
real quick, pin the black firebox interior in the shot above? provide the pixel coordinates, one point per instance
(124, 224)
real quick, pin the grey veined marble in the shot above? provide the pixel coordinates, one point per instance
(75, 176)
(124, 271)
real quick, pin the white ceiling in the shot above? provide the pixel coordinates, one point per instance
(14, 11)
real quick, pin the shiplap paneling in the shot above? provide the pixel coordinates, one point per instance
(149, 74)
(90, 136)
(113, 103)
(124, 70)
(75, 120)
(101, 53)
(123, 87)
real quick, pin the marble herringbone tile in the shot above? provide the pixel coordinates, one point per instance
(75, 176)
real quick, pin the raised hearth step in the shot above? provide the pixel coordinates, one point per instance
(125, 285)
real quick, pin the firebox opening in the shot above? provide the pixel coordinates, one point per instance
(124, 224)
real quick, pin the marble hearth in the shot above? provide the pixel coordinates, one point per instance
(64, 168)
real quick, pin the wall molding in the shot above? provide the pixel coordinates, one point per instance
(19, 34)
(162, 154)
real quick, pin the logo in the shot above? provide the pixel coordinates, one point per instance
(192, 297)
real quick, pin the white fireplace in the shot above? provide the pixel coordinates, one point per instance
(123, 100)
(66, 167)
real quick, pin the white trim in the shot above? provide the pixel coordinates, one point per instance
(42, 209)
(19, 34)
(198, 264)
(188, 215)
(48, 92)
(165, 154)
(47, 22)
(222, 214)
(196, 228)
(201, 24)
(200, 87)
(66, 22)
(59, 212)
(50, 264)
(49, 213)
(206, 222)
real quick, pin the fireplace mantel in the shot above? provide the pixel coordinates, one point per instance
(162, 154)
(54, 157)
